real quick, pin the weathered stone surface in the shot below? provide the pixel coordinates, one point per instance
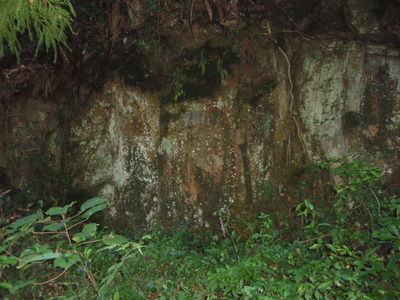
(186, 161)
(349, 100)
(116, 153)
(31, 141)
(212, 157)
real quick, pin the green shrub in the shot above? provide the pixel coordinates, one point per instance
(55, 241)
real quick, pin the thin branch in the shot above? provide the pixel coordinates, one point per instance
(90, 274)
(46, 232)
(300, 134)
(367, 209)
(10, 254)
(209, 10)
(79, 213)
(76, 224)
(288, 149)
(86, 268)
(52, 279)
(14, 241)
(191, 19)
(377, 200)
(90, 242)
(299, 33)
(3, 193)
(69, 228)
(329, 234)
(289, 75)
(66, 231)
(317, 238)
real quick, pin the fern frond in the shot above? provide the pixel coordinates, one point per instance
(45, 22)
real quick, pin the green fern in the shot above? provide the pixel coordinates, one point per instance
(44, 21)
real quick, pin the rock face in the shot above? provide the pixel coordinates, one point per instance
(349, 100)
(236, 145)
(177, 162)
(188, 161)
(116, 152)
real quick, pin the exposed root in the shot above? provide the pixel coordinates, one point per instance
(291, 99)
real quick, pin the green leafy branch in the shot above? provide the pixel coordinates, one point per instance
(178, 78)
(69, 235)
(203, 62)
(223, 73)
(44, 21)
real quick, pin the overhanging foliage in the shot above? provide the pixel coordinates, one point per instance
(45, 22)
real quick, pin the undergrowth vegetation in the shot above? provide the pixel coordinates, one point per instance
(347, 250)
